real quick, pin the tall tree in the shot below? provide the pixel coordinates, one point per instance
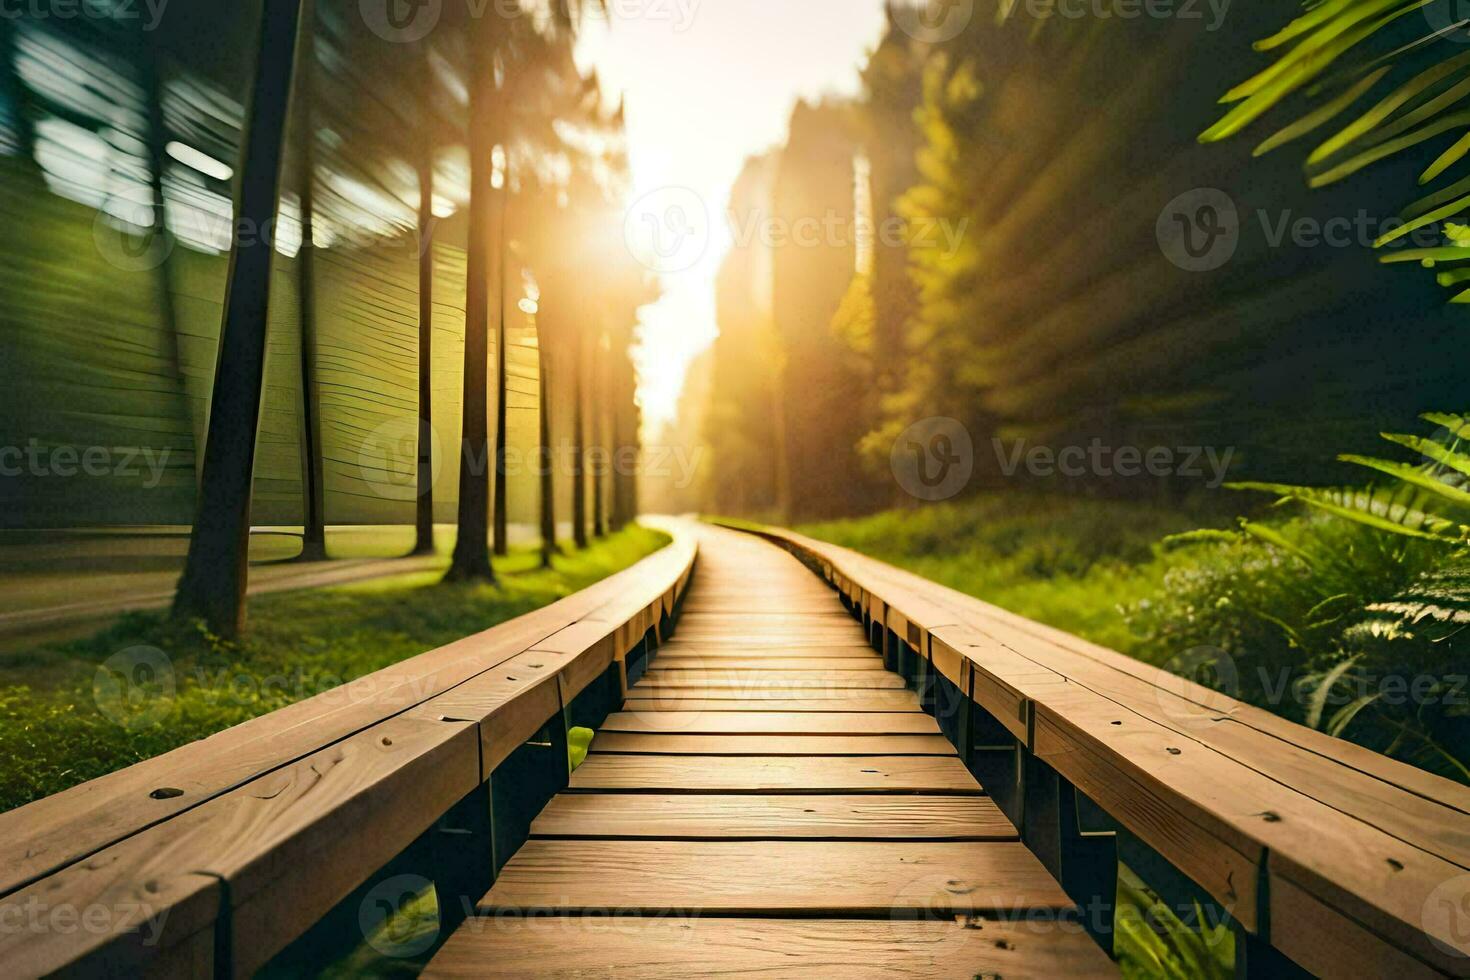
(502, 434)
(313, 475)
(217, 568)
(471, 562)
(424, 501)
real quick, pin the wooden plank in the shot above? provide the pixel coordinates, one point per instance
(281, 850)
(773, 723)
(775, 774)
(789, 817)
(680, 948)
(733, 878)
(636, 743)
(49, 834)
(869, 702)
(509, 705)
(746, 678)
(667, 662)
(755, 691)
(679, 648)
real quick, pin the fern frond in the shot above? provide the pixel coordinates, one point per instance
(1396, 510)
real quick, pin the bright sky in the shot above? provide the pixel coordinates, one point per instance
(708, 84)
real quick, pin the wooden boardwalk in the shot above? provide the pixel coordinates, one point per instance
(771, 801)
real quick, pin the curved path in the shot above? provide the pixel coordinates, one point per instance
(771, 801)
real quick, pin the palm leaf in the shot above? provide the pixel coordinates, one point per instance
(1419, 476)
(1391, 103)
(1322, 116)
(1396, 510)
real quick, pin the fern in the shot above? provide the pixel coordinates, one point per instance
(1428, 500)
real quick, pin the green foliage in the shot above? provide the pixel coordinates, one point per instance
(1071, 562)
(1151, 942)
(579, 743)
(56, 733)
(1334, 57)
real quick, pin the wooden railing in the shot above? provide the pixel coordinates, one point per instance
(1322, 855)
(213, 858)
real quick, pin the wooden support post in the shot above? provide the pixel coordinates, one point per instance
(523, 784)
(995, 757)
(1084, 862)
(462, 856)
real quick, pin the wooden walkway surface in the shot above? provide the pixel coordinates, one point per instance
(771, 801)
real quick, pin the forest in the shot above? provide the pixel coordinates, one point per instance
(1169, 445)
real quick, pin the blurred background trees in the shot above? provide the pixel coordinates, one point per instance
(1025, 292)
(121, 146)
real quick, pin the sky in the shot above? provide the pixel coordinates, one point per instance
(709, 83)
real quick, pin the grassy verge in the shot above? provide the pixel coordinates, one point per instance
(74, 711)
(1073, 563)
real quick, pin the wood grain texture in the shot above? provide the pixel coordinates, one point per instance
(49, 834)
(773, 722)
(790, 817)
(673, 664)
(680, 948)
(775, 774)
(631, 742)
(853, 878)
(282, 851)
(902, 701)
(678, 647)
(761, 679)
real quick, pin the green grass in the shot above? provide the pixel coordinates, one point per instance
(78, 710)
(1073, 563)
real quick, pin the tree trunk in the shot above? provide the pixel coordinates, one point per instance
(151, 69)
(502, 525)
(546, 472)
(215, 573)
(313, 482)
(579, 441)
(599, 448)
(424, 502)
(472, 545)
